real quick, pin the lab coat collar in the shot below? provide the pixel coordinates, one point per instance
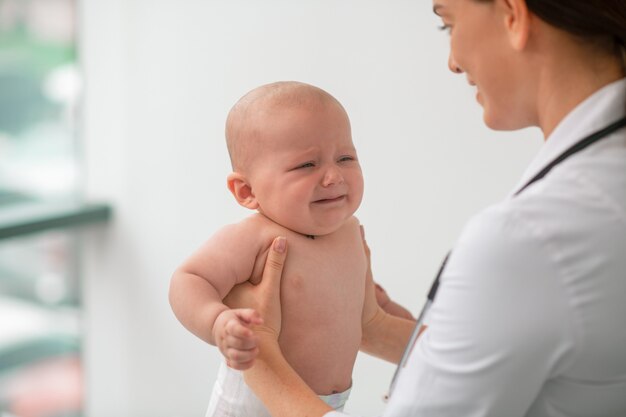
(597, 111)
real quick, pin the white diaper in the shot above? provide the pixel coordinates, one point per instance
(231, 397)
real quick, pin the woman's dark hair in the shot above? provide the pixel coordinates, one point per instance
(602, 21)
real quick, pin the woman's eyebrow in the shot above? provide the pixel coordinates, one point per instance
(436, 8)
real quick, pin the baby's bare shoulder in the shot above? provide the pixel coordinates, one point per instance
(261, 229)
(266, 231)
(250, 230)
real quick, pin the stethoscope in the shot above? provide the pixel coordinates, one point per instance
(577, 147)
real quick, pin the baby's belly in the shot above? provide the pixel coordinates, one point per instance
(322, 293)
(322, 350)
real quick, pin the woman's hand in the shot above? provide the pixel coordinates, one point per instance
(272, 379)
(382, 298)
(390, 306)
(263, 299)
(371, 308)
(384, 334)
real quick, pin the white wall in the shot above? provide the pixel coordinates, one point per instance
(160, 78)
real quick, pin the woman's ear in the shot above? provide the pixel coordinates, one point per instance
(242, 191)
(517, 22)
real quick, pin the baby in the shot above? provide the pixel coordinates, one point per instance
(294, 163)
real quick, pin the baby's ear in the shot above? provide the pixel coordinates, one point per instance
(242, 191)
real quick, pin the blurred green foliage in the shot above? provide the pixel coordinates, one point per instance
(25, 61)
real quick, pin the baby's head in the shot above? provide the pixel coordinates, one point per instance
(293, 159)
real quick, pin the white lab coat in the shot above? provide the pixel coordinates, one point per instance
(530, 315)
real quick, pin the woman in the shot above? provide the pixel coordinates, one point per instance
(528, 317)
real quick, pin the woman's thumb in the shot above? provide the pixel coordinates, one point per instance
(275, 263)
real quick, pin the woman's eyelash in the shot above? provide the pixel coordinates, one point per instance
(444, 27)
(346, 158)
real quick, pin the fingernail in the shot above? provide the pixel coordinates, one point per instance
(280, 244)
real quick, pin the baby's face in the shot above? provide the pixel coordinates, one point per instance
(306, 175)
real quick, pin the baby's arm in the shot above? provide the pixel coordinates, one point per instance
(200, 284)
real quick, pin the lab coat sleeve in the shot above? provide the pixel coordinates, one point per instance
(498, 329)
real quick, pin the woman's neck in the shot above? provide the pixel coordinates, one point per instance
(568, 78)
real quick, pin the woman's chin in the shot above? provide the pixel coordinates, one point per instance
(502, 124)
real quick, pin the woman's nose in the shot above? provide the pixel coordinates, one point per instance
(332, 176)
(454, 67)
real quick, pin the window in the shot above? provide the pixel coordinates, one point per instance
(40, 86)
(40, 372)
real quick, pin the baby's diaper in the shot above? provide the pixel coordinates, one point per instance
(231, 397)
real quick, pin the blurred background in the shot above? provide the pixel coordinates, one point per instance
(119, 106)
(40, 300)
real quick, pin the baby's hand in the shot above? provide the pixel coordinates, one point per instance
(234, 337)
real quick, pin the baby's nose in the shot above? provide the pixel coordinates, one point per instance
(332, 176)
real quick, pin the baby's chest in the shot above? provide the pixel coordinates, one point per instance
(323, 285)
